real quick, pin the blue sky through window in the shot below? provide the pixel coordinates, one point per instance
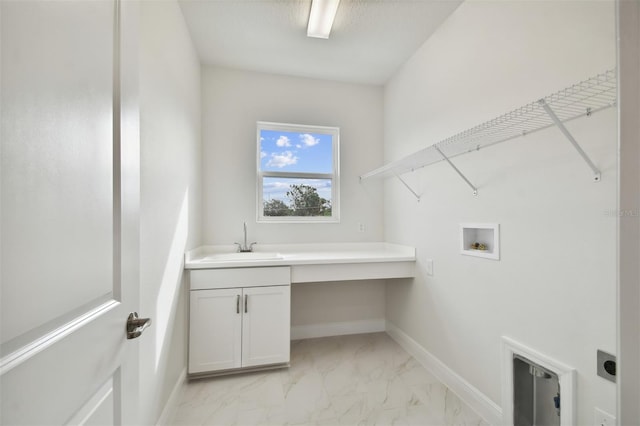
(276, 188)
(295, 152)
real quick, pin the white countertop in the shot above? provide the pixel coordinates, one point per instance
(209, 257)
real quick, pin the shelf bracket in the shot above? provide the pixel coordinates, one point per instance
(406, 185)
(563, 129)
(475, 190)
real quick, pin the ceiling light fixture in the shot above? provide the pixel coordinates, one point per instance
(321, 18)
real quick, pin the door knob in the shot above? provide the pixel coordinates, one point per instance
(135, 325)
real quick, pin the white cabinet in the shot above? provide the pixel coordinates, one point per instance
(245, 325)
(266, 325)
(215, 329)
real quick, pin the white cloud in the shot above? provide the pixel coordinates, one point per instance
(263, 154)
(298, 146)
(283, 141)
(276, 185)
(282, 160)
(309, 140)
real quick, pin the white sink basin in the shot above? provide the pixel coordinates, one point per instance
(239, 257)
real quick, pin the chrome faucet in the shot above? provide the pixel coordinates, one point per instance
(244, 248)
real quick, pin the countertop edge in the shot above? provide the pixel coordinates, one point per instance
(327, 254)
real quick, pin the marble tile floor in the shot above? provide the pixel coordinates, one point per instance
(364, 379)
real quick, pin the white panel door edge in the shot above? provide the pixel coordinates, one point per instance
(70, 203)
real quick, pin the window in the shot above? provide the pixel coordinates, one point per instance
(298, 173)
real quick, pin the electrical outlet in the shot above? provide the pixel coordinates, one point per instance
(361, 227)
(606, 367)
(429, 265)
(602, 418)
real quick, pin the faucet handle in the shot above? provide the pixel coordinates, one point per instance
(239, 247)
(251, 245)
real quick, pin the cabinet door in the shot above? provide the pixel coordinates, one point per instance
(266, 325)
(215, 330)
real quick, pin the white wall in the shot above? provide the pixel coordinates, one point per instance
(232, 103)
(554, 287)
(335, 308)
(170, 220)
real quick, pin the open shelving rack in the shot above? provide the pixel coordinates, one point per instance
(582, 99)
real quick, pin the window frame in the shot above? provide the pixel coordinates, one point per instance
(334, 177)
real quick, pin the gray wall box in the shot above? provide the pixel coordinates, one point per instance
(536, 389)
(607, 366)
(536, 394)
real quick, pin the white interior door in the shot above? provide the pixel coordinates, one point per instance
(69, 225)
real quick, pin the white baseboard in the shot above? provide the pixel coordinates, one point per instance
(171, 406)
(476, 400)
(337, 329)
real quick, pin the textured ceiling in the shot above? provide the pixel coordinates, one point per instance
(369, 41)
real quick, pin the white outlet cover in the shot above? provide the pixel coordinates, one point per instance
(429, 266)
(602, 418)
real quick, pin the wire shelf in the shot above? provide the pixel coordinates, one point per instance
(581, 99)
